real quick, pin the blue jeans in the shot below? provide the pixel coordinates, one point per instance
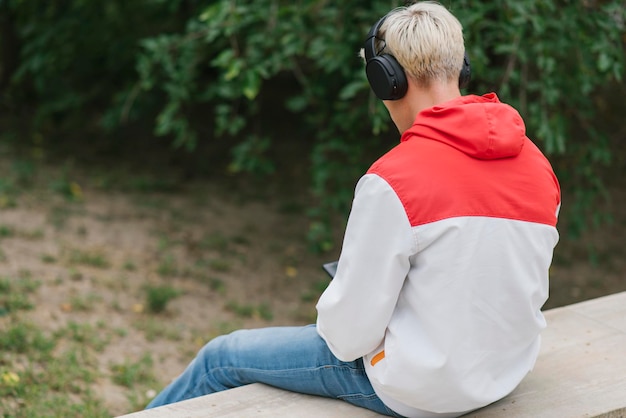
(290, 358)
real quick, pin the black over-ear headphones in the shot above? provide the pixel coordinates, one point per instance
(386, 76)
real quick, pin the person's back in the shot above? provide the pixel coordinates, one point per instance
(466, 327)
(444, 267)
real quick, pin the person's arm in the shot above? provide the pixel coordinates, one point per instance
(355, 309)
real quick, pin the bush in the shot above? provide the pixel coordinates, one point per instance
(247, 72)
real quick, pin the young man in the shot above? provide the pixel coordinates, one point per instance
(435, 307)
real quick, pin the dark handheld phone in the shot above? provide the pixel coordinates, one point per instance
(330, 268)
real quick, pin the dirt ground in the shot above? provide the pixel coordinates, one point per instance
(236, 254)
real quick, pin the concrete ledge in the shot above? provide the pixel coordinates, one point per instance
(581, 369)
(580, 372)
(257, 400)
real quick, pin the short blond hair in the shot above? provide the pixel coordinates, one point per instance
(426, 40)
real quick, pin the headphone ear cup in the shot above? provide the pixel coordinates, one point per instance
(466, 72)
(386, 77)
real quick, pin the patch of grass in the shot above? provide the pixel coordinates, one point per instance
(85, 334)
(220, 265)
(241, 240)
(201, 273)
(25, 338)
(34, 234)
(157, 297)
(129, 265)
(75, 274)
(308, 296)
(217, 285)
(262, 311)
(91, 258)
(121, 332)
(165, 242)
(66, 186)
(167, 267)
(52, 404)
(215, 241)
(151, 202)
(24, 172)
(12, 302)
(314, 292)
(118, 283)
(49, 376)
(69, 189)
(226, 327)
(146, 184)
(26, 281)
(6, 231)
(14, 293)
(129, 374)
(8, 193)
(85, 303)
(155, 328)
(72, 370)
(116, 306)
(5, 285)
(265, 312)
(48, 259)
(138, 377)
(39, 384)
(59, 215)
(244, 311)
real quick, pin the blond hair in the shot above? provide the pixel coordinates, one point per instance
(426, 40)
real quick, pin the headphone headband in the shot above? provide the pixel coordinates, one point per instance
(370, 41)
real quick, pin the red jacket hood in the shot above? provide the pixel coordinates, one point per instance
(480, 126)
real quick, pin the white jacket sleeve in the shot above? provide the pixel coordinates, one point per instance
(355, 309)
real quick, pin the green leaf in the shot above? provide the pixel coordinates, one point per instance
(252, 85)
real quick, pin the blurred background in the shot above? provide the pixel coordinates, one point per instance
(172, 170)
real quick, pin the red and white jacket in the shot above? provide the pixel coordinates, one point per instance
(445, 259)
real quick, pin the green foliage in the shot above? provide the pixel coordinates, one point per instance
(246, 74)
(74, 55)
(238, 57)
(231, 55)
